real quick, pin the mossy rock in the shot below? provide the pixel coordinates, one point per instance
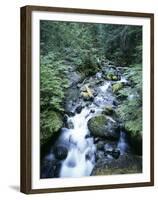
(111, 75)
(103, 127)
(114, 78)
(50, 125)
(108, 110)
(125, 164)
(97, 125)
(116, 87)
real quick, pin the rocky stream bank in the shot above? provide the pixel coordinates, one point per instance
(92, 138)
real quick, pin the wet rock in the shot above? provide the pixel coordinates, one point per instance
(96, 139)
(116, 87)
(95, 93)
(111, 73)
(79, 109)
(86, 96)
(69, 124)
(115, 153)
(101, 126)
(108, 110)
(99, 75)
(87, 93)
(83, 89)
(92, 110)
(100, 155)
(89, 155)
(100, 145)
(50, 169)
(109, 147)
(88, 136)
(125, 164)
(60, 152)
(115, 103)
(65, 118)
(72, 98)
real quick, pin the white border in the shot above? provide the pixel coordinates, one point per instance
(38, 183)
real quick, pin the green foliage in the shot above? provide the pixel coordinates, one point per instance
(50, 123)
(130, 111)
(64, 44)
(134, 73)
(89, 65)
(123, 43)
(53, 83)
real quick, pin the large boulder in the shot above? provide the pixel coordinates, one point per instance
(60, 152)
(125, 164)
(101, 126)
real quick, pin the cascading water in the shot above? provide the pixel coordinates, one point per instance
(80, 159)
(123, 143)
(81, 156)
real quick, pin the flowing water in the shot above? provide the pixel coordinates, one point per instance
(80, 160)
(82, 148)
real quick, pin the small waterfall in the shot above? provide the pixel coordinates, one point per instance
(123, 143)
(76, 139)
(81, 156)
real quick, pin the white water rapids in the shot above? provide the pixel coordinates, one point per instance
(80, 159)
(81, 156)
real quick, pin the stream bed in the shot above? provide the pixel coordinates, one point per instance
(92, 137)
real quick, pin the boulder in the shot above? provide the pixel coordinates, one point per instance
(101, 126)
(125, 164)
(86, 96)
(79, 109)
(108, 110)
(111, 73)
(100, 145)
(100, 155)
(60, 152)
(86, 93)
(72, 97)
(50, 169)
(69, 124)
(117, 86)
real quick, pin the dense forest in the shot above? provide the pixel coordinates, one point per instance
(71, 53)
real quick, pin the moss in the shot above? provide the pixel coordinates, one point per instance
(108, 110)
(97, 124)
(50, 125)
(125, 164)
(116, 87)
(114, 78)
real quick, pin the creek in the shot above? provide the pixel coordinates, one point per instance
(75, 151)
